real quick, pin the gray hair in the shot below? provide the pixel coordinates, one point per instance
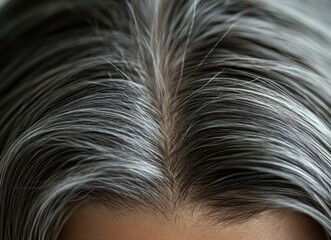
(158, 105)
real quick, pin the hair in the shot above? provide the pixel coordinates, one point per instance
(159, 105)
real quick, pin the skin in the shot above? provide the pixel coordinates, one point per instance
(93, 221)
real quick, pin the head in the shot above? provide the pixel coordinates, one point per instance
(158, 108)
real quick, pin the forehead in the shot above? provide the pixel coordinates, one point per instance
(95, 222)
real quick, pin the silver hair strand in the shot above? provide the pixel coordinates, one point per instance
(159, 105)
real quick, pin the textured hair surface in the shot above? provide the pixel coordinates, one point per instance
(158, 105)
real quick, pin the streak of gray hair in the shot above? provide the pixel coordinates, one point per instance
(158, 105)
